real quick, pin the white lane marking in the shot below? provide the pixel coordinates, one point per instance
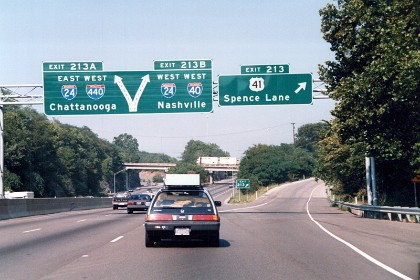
(354, 248)
(249, 207)
(81, 220)
(32, 230)
(85, 256)
(217, 195)
(116, 239)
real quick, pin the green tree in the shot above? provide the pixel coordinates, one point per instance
(155, 157)
(30, 158)
(195, 149)
(81, 157)
(341, 166)
(157, 178)
(310, 134)
(375, 80)
(275, 164)
(129, 147)
(54, 159)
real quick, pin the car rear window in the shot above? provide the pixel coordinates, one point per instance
(140, 197)
(187, 201)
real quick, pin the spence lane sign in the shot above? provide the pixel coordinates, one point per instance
(263, 89)
(127, 92)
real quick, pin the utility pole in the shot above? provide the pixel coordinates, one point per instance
(294, 137)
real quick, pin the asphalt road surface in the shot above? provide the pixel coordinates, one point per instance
(289, 233)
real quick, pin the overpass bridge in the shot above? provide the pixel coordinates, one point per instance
(165, 166)
(211, 168)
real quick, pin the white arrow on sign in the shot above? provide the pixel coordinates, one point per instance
(132, 104)
(301, 86)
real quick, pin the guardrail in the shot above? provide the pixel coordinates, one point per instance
(15, 208)
(408, 214)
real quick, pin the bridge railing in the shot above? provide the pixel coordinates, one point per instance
(408, 214)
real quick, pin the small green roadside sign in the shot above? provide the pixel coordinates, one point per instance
(243, 184)
(264, 89)
(265, 69)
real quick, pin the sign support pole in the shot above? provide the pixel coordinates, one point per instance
(1, 152)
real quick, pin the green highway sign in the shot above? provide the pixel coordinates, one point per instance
(263, 89)
(127, 92)
(265, 69)
(182, 64)
(243, 184)
(72, 66)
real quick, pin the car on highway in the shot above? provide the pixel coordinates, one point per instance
(138, 202)
(186, 212)
(120, 200)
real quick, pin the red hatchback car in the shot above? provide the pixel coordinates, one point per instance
(138, 202)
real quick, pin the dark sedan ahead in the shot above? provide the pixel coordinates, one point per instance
(138, 202)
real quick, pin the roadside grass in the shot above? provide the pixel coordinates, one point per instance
(238, 197)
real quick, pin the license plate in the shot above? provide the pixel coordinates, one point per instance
(182, 231)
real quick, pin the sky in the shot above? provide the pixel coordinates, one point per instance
(132, 34)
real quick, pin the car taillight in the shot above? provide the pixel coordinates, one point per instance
(130, 203)
(205, 217)
(158, 217)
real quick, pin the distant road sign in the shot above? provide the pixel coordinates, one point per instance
(263, 89)
(127, 92)
(182, 64)
(243, 184)
(72, 66)
(416, 179)
(265, 69)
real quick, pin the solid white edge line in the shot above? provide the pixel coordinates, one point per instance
(354, 248)
(229, 210)
(32, 230)
(116, 239)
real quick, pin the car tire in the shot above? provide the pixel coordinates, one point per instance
(148, 241)
(129, 211)
(214, 240)
(115, 207)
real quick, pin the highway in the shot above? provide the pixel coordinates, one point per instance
(289, 233)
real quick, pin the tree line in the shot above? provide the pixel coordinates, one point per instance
(55, 160)
(375, 79)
